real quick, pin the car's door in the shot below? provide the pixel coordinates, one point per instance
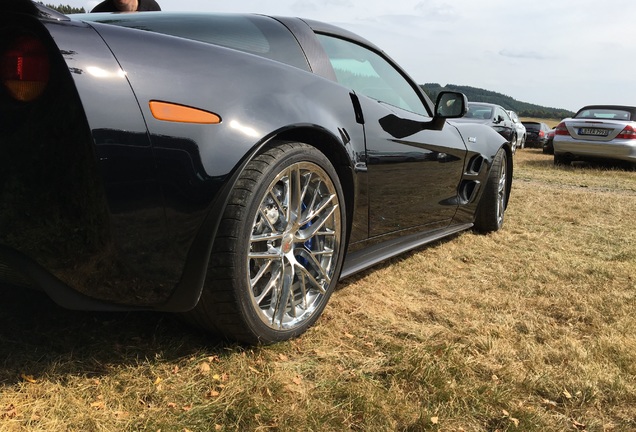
(413, 180)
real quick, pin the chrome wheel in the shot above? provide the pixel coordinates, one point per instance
(502, 191)
(279, 247)
(293, 246)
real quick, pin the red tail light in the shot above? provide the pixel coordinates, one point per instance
(25, 68)
(628, 133)
(541, 133)
(561, 129)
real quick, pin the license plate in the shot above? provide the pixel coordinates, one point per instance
(594, 132)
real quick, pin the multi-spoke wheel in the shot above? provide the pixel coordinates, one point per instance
(279, 249)
(491, 208)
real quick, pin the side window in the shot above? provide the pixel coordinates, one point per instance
(368, 73)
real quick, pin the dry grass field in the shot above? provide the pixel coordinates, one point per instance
(532, 328)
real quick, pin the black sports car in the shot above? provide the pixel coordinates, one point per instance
(228, 167)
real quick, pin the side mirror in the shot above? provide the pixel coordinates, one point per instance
(451, 105)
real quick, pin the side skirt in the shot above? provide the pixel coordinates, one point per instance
(367, 257)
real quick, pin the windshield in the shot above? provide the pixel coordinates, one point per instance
(604, 114)
(532, 126)
(479, 112)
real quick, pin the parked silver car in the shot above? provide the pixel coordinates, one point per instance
(521, 130)
(597, 132)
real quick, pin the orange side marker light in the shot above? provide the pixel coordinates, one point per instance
(172, 112)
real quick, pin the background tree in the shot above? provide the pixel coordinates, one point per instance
(65, 9)
(523, 109)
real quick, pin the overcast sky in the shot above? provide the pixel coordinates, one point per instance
(558, 53)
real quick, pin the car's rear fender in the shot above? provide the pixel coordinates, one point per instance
(78, 178)
(197, 162)
(141, 251)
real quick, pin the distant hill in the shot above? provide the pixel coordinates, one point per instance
(65, 9)
(523, 109)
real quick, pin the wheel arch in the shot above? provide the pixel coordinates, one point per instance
(228, 307)
(337, 154)
(510, 167)
(188, 291)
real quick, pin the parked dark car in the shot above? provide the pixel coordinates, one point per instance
(597, 133)
(231, 168)
(548, 146)
(494, 116)
(536, 133)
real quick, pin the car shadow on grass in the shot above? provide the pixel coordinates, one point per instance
(38, 337)
(605, 165)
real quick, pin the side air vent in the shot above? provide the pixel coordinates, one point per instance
(475, 165)
(467, 190)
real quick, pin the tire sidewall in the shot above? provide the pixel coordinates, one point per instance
(487, 219)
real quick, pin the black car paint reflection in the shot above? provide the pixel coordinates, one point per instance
(492, 115)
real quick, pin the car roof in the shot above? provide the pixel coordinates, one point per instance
(298, 28)
(492, 105)
(322, 27)
(630, 109)
(140, 17)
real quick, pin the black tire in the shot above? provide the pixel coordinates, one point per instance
(561, 160)
(494, 200)
(548, 147)
(279, 249)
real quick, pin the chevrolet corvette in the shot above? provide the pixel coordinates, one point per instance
(231, 168)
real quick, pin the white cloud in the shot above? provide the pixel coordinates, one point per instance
(519, 54)
(437, 11)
